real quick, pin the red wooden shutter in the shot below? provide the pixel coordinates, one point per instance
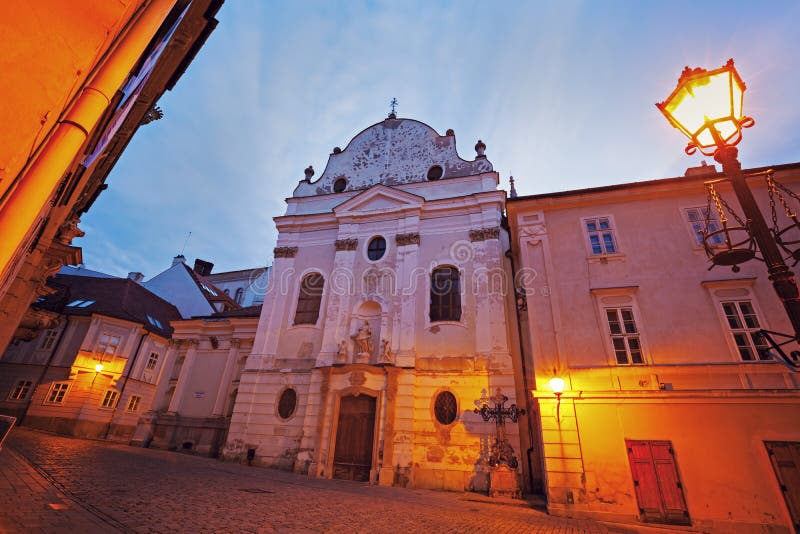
(655, 478)
(785, 457)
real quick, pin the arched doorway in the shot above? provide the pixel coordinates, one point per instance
(355, 434)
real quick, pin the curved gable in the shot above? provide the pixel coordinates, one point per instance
(392, 152)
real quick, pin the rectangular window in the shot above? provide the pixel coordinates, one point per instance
(624, 336)
(48, 339)
(57, 393)
(744, 325)
(697, 222)
(109, 399)
(152, 361)
(601, 235)
(133, 403)
(107, 345)
(20, 392)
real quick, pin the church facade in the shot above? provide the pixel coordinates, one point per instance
(387, 319)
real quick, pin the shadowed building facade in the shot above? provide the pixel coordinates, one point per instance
(385, 319)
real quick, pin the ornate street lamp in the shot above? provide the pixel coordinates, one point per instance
(707, 106)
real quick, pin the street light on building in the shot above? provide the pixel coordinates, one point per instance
(707, 106)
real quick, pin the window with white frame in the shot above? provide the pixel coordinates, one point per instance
(697, 221)
(57, 393)
(152, 361)
(744, 325)
(21, 390)
(48, 339)
(109, 399)
(600, 233)
(625, 337)
(133, 403)
(107, 345)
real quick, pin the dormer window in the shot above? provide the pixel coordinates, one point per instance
(339, 185)
(435, 172)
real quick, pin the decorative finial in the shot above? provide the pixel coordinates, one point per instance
(513, 193)
(309, 173)
(480, 148)
(393, 114)
(450, 132)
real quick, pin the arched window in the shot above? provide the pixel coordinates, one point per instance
(239, 294)
(445, 295)
(309, 299)
(227, 291)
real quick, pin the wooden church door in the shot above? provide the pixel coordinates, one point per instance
(352, 457)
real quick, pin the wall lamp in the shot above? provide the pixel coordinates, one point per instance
(557, 385)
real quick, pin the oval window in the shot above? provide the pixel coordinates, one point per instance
(435, 172)
(339, 185)
(376, 248)
(287, 403)
(445, 407)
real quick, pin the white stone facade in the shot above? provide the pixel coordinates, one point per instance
(395, 371)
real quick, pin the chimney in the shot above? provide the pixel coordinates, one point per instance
(704, 168)
(180, 258)
(136, 277)
(202, 267)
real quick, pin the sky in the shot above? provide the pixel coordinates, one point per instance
(561, 92)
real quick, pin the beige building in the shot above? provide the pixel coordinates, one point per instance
(669, 413)
(385, 321)
(95, 371)
(193, 405)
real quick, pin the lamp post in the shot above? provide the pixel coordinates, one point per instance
(707, 107)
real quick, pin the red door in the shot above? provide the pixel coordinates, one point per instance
(659, 491)
(352, 456)
(785, 457)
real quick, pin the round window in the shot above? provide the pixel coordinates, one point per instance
(339, 185)
(435, 172)
(445, 407)
(376, 248)
(287, 403)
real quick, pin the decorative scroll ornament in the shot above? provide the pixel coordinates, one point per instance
(284, 252)
(407, 239)
(346, 244)
(484, 233)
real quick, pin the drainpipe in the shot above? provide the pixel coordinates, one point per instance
(125, 383)
(528, 398)
(44, 370)
(36, 184)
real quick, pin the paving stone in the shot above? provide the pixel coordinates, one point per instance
(108, 487)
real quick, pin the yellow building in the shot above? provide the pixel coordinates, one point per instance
(79, 78)
(669, 414)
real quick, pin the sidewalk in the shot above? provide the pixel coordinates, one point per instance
(31, 503)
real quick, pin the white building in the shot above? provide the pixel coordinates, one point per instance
(246, 287)
(385, 320)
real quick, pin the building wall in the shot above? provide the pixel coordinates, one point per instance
(457, 223)
(693, 390)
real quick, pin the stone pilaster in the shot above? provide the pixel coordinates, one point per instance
(225, 381)
(184, 377)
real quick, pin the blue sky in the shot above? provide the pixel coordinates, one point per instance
(562, 94)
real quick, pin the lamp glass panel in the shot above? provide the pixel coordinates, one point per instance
(704, 138)
(737, 95)
(727, 129)
(701, 97)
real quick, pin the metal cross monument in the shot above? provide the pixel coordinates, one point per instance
(502, 452)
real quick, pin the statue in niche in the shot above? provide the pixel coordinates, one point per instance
(362, 340)
(341, 353)
(386, 352)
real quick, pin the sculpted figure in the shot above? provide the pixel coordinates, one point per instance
(386, 352)
(362, 340)
(341, 354)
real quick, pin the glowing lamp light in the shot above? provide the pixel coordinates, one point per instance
(98, 367)
(707, 107)
(557, 385)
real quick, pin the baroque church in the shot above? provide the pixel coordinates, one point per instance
(387, 320)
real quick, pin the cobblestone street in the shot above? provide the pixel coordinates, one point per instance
(88, 486)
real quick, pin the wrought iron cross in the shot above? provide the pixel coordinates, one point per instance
(501, 451)
(393, 103)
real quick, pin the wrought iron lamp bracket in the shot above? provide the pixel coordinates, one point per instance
(776, 350)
